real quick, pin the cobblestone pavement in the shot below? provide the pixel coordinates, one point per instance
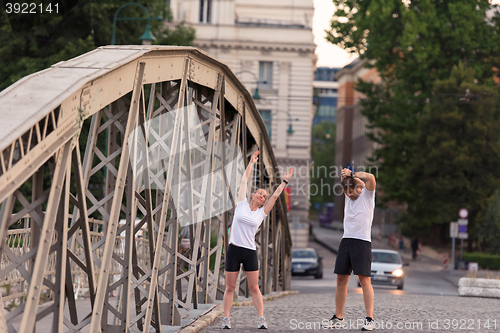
(393, 313)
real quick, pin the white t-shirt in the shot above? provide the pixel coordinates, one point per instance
(245, 225)
(358, 216)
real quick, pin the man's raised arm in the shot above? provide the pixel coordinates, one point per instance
(369, 179)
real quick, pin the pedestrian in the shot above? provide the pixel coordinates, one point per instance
(414, 248)
(355, 250)
(242, 250)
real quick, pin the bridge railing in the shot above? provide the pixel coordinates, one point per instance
(109, 192)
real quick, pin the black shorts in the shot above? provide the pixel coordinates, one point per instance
(237, 255)
(354, 255)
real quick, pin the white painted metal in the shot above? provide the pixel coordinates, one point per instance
(42, 138)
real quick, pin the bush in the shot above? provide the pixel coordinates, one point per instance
(484, 260)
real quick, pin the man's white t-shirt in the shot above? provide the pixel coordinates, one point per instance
(358, 216)
(245, 225)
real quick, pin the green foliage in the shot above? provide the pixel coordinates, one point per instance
(323, 157)
(181, 35)
(489, 224)
(88, 25)
(457, 153)
(484, 260)
(411, 46)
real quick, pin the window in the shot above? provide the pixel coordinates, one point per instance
(266, 116)
(266, 74)
(205, 11)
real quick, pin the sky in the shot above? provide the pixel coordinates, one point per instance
(329, 55)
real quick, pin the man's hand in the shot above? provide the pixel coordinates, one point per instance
(345, 173)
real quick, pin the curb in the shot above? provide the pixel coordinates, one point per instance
(202, 321)
(325, 245)
(208, 317)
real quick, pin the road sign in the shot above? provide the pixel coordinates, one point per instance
(463, 213)
(453, 229)
(462, 228)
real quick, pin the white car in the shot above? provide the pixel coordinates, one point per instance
(387, 268)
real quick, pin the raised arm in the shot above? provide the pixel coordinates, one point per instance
(272, 200)
(369, 179)
(242, 193)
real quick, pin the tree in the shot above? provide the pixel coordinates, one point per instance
(180, 34)
(489, 225)
(411, 44)
(323, 158)
(32, 43)
(74, 31)
(457, 154)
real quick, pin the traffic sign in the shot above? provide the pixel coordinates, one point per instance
(462, 228)
(463, 213)
(453, 229)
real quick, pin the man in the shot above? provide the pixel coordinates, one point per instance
(355, 250)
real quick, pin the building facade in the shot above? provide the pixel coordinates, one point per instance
(269, 46)
(325, 94)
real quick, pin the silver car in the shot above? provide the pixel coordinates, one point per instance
(387, 268)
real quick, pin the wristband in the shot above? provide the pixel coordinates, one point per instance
(352, 174)
(285, 181)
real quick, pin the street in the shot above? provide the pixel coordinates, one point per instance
(428, 303)
(421, 277)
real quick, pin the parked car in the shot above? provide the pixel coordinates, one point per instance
(387, 268)
(307, 262)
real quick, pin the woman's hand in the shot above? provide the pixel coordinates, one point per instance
(272, 200)
(288, 174)
(254, 157)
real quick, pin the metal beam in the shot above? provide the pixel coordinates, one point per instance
(97, 312)
(28, 322)
(151, 268)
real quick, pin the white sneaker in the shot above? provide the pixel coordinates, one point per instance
(336, 322)
(226, 323)
(262, 323)
(369, 324)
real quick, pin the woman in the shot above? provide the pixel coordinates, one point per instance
(241, 249)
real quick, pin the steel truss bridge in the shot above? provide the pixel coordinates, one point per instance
(87, 243)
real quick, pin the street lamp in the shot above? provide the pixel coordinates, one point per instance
(256, 96)
(290, 129)
(328, 133)
(147, 37)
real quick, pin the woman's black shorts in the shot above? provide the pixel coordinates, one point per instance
(354, 255)
(237, 255)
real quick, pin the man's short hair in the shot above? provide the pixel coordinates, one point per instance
(348, 183)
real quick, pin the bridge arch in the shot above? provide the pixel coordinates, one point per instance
(75, 184)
